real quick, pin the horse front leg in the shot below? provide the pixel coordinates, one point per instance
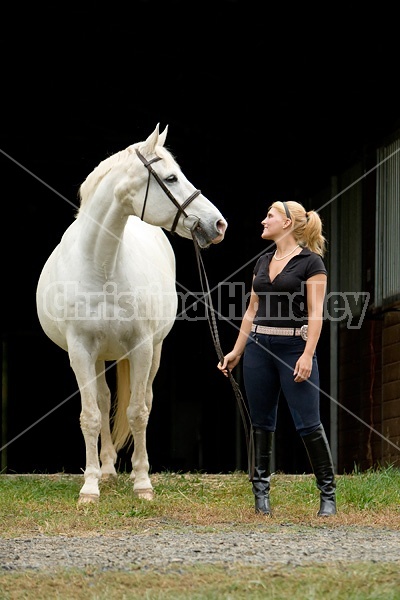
(90, 420)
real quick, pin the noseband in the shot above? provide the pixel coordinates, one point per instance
(180, 207)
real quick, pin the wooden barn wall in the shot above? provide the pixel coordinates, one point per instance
(360, 397)
(368, 364)
(391, 388)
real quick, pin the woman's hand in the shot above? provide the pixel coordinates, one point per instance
(229, 362)
(302, 369)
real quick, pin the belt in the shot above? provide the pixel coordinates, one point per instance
(280, 330)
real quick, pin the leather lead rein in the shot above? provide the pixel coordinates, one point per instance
(248, 428)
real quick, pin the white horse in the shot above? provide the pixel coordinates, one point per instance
(108, 293)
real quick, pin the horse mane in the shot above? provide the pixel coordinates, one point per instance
(88, 187)
(91, 182)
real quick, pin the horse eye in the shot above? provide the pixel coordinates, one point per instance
(171, 179)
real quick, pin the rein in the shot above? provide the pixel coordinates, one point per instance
(207, 300)
(248, 429)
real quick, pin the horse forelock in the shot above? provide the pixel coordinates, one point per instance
(166, 155)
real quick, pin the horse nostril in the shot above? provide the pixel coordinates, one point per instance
(221, 226)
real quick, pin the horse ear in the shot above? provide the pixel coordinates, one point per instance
(155, 139)
(162, 137)
(152, 141)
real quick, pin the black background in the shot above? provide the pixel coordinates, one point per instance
(262, 101)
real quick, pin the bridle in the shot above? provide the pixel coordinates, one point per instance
(180, 207)
(207, 298)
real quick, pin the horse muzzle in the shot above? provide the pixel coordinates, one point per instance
(206, 234)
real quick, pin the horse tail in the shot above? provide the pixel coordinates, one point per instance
(121, 431)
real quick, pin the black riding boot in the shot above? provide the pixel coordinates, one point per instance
(262, 470)
(319, 453)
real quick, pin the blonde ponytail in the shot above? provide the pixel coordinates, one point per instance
(306, 226)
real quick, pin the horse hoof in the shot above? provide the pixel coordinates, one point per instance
(87, 499)
(108, 478)
(146, 494)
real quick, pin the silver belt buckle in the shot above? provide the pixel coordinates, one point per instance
(303, 332)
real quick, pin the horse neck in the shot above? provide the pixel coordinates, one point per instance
(102, 227)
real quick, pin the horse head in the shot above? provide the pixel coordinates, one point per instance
(170, 200)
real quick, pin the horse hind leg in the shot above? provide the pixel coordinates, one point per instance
(130, 420)
(108, 455)
(138, 415)
(142, 486)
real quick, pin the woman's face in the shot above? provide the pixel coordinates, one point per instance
(274, 225)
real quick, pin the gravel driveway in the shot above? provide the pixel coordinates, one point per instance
(160, 550)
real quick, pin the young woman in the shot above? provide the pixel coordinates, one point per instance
(278, 338)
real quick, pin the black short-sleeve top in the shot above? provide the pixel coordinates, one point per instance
(283, 301)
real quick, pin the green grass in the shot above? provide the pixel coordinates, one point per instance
(47, 504)
(335, 582)
(34, 504)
